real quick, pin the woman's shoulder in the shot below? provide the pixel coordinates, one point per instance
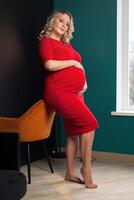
(44, 41)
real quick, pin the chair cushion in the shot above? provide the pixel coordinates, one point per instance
(13, 185)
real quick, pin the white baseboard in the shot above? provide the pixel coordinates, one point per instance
(115, 156)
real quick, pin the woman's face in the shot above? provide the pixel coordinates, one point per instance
(61, 24)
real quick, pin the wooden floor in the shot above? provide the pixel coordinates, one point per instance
(114, 175)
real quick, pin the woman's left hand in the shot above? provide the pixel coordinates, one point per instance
(83, 89)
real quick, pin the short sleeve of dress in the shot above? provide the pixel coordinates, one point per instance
(45, 50)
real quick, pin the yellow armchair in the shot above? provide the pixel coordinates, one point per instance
(34, 125)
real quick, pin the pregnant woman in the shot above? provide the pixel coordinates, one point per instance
(64, 85)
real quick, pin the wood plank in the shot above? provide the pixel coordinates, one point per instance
(114, 174)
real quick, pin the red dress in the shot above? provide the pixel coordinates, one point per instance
(61, 88)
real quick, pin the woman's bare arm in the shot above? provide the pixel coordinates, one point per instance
(56, 65)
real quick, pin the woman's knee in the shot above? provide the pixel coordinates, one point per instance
(73, 138)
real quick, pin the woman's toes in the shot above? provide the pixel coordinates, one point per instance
(92, 186)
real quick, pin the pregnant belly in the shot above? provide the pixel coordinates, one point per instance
(70, 79)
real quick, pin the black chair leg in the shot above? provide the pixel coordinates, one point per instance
(28, 163)
(47, 156)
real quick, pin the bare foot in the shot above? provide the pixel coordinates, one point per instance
(74, 179)
(88, 180)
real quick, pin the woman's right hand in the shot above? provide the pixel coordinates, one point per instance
(78, 64)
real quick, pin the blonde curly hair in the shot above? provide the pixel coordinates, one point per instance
(49, 23)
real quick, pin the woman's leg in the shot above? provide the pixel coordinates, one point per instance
(86, 141)
(71, 153)
(77, 117)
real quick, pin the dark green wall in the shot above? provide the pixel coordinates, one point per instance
(95, 39)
